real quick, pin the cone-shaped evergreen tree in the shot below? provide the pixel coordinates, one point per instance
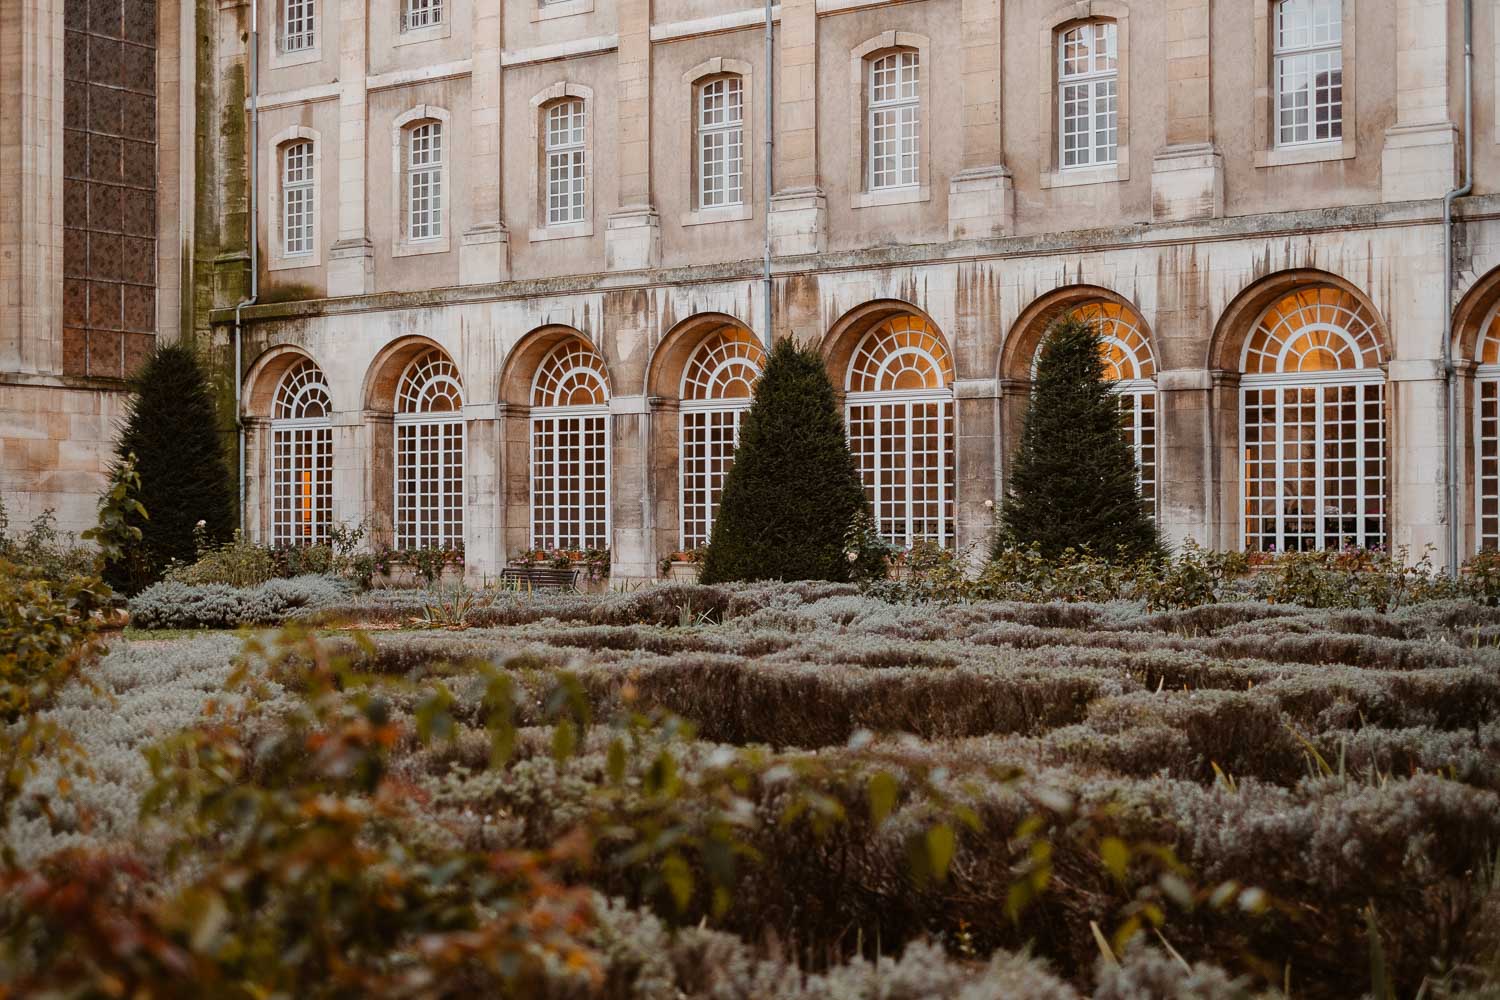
(793, 491)
(173, 431)
(1073, 482)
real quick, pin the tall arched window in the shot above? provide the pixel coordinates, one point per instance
(899, 411)
(1313, 421)
(1487, 436)
(424, 182)
(894, 130)
(430, 454)
(1088, 75)
(566, 196)
(721, 142)
(716, 391)
(1308, 71)
(301, 458)
(1130, 367)
(298, 198)
(570, 449)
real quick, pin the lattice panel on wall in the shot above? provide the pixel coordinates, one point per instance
(110, 171)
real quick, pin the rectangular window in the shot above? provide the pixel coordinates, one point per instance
(721, 143)
(297, 199)
(302, 478)
(421, 14)
(1309, 71)
(1088, 72)
(567, 182)
(297, 31)
(895, 121)
(425, 182)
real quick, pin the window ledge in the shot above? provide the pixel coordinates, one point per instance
(302, 57)
(1312, 152)
(417, 248)
(708, 216)
(564, 9)
(575, 231)
(1109, 173)
(892, 196)
(431, 33)
(297, 263)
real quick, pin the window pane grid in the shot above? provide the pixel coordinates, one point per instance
(721, 141)
(422, 14)
(895, 125)
(298, 31)
(567, 129)
(1308, 71)
(297, 199)
(429, 455)
(570, 450)
(1088, 95)
(425, 181)
(1487, 453)
(301, 458)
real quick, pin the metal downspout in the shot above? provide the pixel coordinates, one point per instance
(254, 151)
(1450, 375)
(770, 95)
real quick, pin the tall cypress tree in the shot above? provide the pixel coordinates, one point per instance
(793, 491)
(173, 432)
(1074, 480)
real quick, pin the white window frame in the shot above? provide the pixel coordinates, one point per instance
(865, 109)
(555, 428)
(299, 26)
(1100, 96)
(299, 217)
(421, 15)
(430, 455)
(1486, 392)
(424, 182)
(566, 154)
(301, 458)
(272, 166)
(403, 162)
(1319, 51)
(708, 429)
(721, 142)
(894, 108)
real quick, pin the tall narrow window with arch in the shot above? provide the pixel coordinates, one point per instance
(429, 454)
(570, 449)
(1313, 426)
(301, 457)
(566, 162)
(721, 142)
(894, 125)
(1088, 90)
(899, 412)
(298, 25)
(297, 199)
(717, 390)
(1487, 436)
(1307, 47)
(424, 182)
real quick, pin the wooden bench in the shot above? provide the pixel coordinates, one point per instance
(539, 578)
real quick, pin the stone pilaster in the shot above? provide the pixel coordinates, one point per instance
(1187, 175)
(1224, 485)
(351, 437)
(977, 421)
(1420, 159)
(799, 210)
(484, 548)
(378, 483)
(633, 238)
(632, 546)
(1417, 507)
(257, 510)
(484, 253)
(1184, 403)
(981, 196)
(351, 260)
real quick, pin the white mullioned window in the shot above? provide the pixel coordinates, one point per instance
(1313, 426)
(301, 457)
(721, 143)
(570, 449)
(298, 27)
(894, 124)
(424, 181)
(1309, 71)
(1487, 437)
(717, 390)
(1088, 94)
(297, 199)
(899, 413)
(567, 162)
(421, 14)
(429, 454)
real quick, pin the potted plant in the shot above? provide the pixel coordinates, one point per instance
(684, 564)
(553, 569)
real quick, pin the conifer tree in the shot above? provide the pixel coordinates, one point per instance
(793, 491)
(1074, 479)
(173, 431)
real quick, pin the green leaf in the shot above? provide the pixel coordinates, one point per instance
(1116, 857)
(941, 843)
(617, 761)
(564, 740)
(679, 880)
(882, 790)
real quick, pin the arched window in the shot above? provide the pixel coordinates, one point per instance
(894, 128)
(1130, 367)
(570, 449)
(430, 454)
(301, 458)
(566, 196)
(424, 182)
(899, 411)
(1313, 422)
(1487, 435)
(721, 142)
(1308, 71)
(716, 391)
(1088, 76)
(298, 215)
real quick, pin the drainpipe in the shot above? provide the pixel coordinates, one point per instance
(239, 421)
(770, 96)
(1450, 374)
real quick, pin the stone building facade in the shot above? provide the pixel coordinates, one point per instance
(510, 256)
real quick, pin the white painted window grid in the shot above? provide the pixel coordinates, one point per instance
(430, 439)
(1487, 436)
(298, 28)
(721, 142)
(717, 390)
(1309, 71)
(1088, 71)
(894, 125)
(301, 458)
(570, 450)
(425, 181)
(567, 162)
(297, 199)
(421, 14)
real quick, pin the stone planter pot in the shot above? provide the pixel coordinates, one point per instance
(406, 578)
(684, 571)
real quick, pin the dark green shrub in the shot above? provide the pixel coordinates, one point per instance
(793, 493)
(172, 429)
(1074, 483)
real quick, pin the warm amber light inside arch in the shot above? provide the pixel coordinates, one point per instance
(1312, 330)
(901, 354)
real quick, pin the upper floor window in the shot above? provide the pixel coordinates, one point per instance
(895, 120)
(566, 162)
(721, 143)
(297, 27)
(1088, 77)
(421, 14)
(297, 178)
(1307, 46)
(425, 182)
